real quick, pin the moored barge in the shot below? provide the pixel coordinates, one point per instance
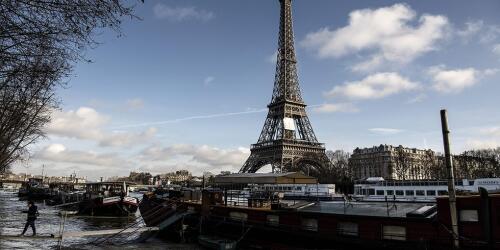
(339, 224)
(108, 199)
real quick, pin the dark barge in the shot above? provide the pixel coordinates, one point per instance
(108, 199)
(34, 189)
(327, 225)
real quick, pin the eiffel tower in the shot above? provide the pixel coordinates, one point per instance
(287, 141)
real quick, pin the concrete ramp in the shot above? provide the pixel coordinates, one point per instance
(108, 232)
(172, 219)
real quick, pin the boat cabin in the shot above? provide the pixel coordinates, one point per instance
(377, 189)
(107, 189)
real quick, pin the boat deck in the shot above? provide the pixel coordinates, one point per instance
(382, 209)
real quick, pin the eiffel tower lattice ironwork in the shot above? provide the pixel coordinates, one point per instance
(287, 141)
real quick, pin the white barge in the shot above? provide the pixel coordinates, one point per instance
(378, 189)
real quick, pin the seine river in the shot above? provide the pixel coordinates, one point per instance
(12, 223)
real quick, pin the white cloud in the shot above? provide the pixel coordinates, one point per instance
(374, 86)
(200, 154)
(60, 154)
(86, 123)
(208, 80)
(471, 28)
(385, 33)
(449, 81)
(496, 49)
(336, 107)
(456, 80)
(135, 104)
(479, 31)
(491, 131)
(418, 98)
(178, 14)
(489, 34)
(483, 144)
(157, 159)
(385, 131)
(82, 123)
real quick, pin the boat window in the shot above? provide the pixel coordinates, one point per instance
(467, 215)
(371, 191)
(380, 192)
(431, 192)
(471, 183)
(420, 193)
(273, 220)
(442, 192)
(309, 224)
(410, 192)
(238, 216)
(394, 233)
(400, 192)
(390, 192)
(347, 228)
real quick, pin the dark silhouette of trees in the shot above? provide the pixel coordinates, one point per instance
(483, 163)
(402, 163)
(339, 172)
(39, 42)
(140, 178)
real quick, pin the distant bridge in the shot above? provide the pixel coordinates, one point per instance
(12, 181)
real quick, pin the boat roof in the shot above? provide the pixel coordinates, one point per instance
(378, 209)
(110, 183)
(266, 178)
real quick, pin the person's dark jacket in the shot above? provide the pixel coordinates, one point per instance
(32, 213)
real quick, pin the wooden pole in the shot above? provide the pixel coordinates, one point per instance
(451, 178)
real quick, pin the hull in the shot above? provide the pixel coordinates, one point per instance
(154, 210)
(112, 206)
(345, 225)
(34, 193)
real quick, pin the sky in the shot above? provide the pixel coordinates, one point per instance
(186, 87)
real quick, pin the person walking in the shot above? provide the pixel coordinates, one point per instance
(32, 214)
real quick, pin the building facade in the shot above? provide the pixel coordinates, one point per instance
(392, 162)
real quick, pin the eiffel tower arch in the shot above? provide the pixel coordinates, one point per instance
(287, 141)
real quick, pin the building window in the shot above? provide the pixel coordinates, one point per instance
(410, 192)
(420, 193)
(309, 224)
(347, 229)
(380, 192)
(431, 192)
(400, 192)
(394, 233)
(273, 220)
(469, 215)
(238, 216)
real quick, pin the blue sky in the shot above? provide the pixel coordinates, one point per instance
(187, 86)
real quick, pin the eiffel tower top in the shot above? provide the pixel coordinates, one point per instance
(286, 82)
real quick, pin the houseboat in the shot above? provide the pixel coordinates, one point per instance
(331, 224)
(108, 199)
(34, 189)
(378, 189)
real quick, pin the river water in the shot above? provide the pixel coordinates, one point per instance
(12, 223)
